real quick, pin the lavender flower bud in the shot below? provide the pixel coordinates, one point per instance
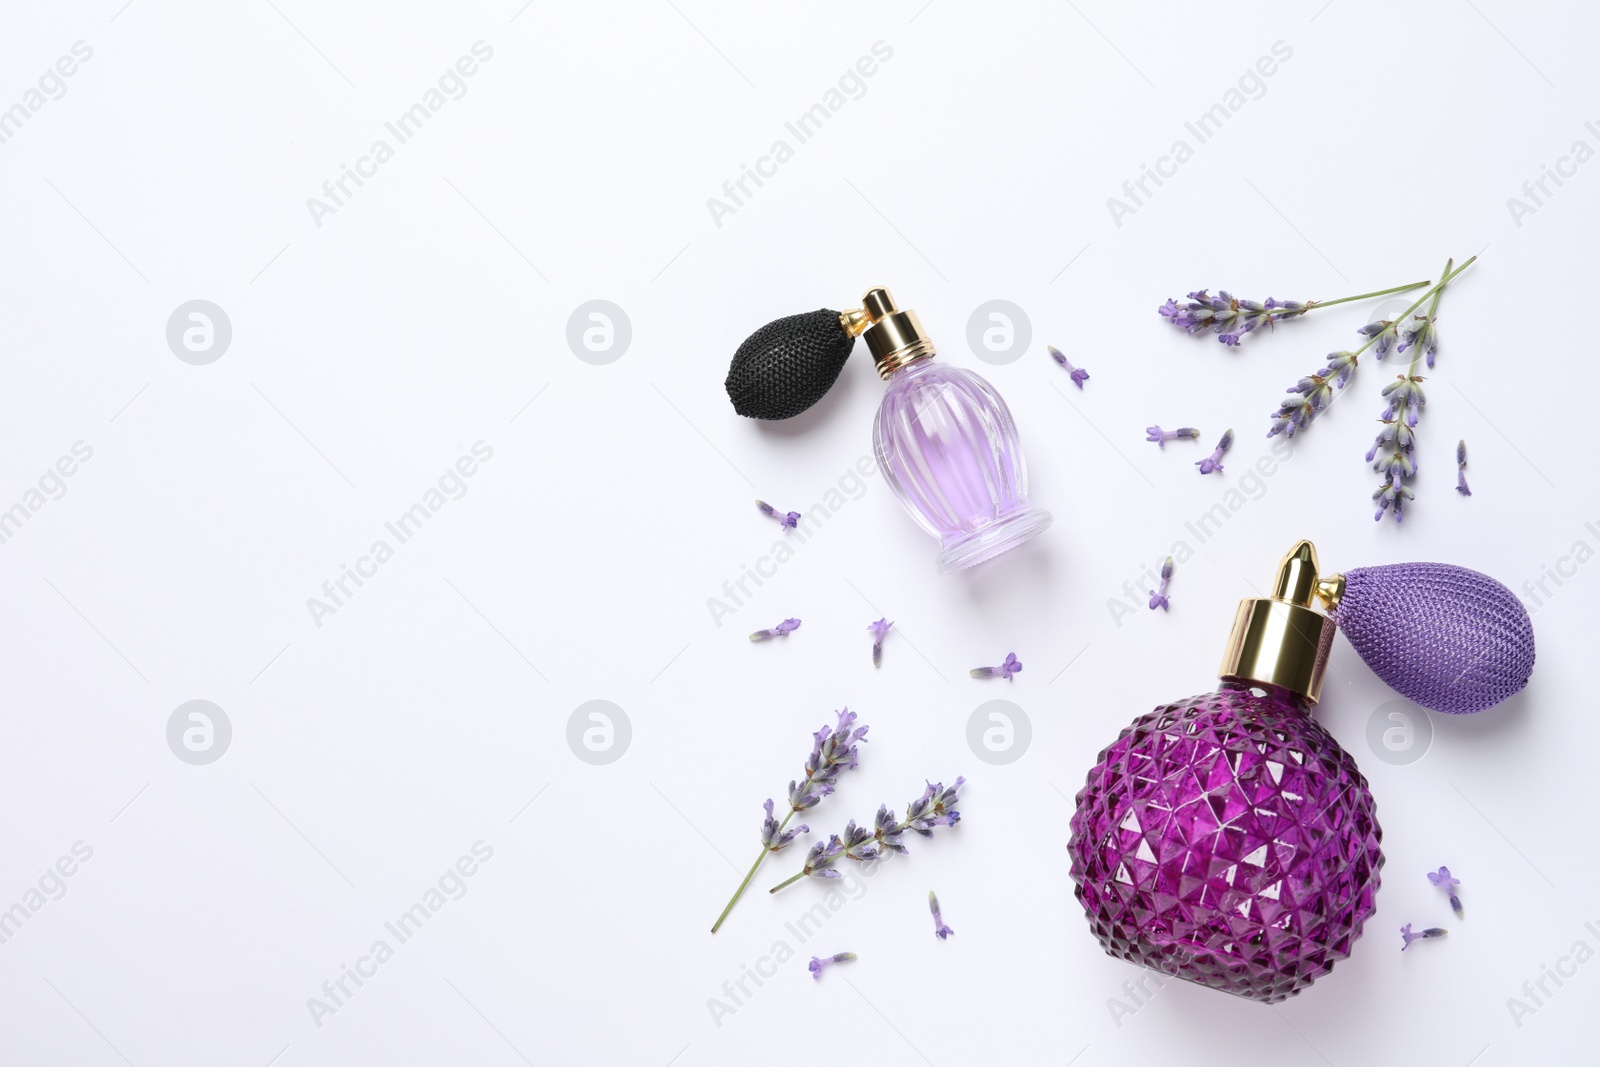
(821, 855)
(771, 839)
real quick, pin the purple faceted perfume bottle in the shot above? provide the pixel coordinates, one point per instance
(944, 438)
(1228, 839)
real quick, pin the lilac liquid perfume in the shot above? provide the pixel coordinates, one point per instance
(946, 443)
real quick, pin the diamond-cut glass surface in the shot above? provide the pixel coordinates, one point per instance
(1229, 840)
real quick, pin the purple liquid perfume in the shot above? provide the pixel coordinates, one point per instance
(944, 438)
(1228, 839)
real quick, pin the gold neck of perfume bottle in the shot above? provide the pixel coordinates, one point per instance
(1282, 640)
(894, 337)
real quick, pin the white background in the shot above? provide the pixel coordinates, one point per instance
(370, 752)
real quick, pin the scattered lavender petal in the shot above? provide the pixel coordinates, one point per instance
(1161, 437)
(783, 629)
(1443, 879)
(1078, 374)
(1461, 469)
(1213, 462)
(1407, 936)
(788, 521)
(939, 928)
(1011, 666)
(819, 962)
(879, 630)
(1158, 599)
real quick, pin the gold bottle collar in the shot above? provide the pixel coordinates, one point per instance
(894, 337)
(1282, 640)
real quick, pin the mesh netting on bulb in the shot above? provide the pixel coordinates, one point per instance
(1449, 638)
(787, 365)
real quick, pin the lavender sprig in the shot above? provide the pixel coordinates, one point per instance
(1078, 374)
(1231, 318)
(1408, 937)
(1213, 462)
(818, 963)
(1394, 452)
(833, 751)
(1161, 437)
(940, 930)
(1461, 469)
(935, 807)
(879, 630)
(788, 521)
(1011, 666)
(1444, 880)
(1313, 394)
(1158, 599)
(1225, 315)
(783, 629)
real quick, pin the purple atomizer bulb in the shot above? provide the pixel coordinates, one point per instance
(1451, 639)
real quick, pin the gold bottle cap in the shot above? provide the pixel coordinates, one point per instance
(1282, 640)
(894, 337)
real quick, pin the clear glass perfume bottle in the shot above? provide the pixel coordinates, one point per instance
(945, 442)
(1228, 839)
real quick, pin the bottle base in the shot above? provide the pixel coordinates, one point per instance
(993, 539)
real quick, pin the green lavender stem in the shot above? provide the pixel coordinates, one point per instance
(1312, 305)
(748, 876)
(786, 882)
